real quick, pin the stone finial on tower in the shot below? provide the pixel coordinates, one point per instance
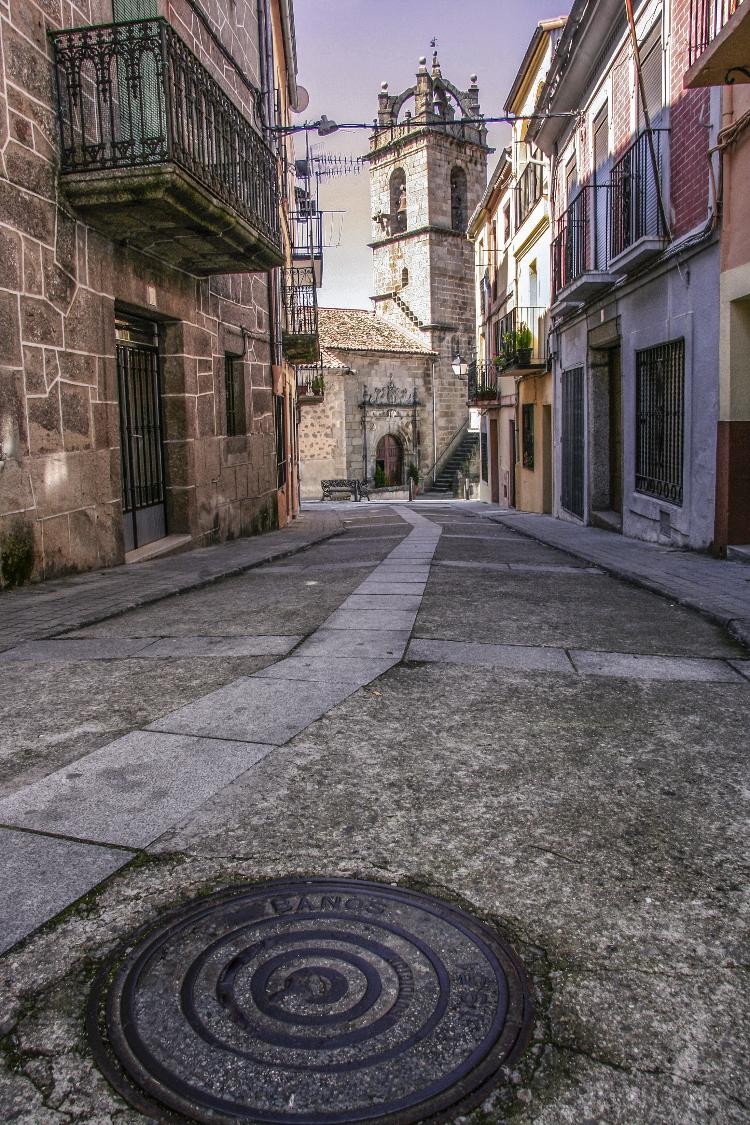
(423, 95)
(436, 72)
(384, 106)
(473, 93)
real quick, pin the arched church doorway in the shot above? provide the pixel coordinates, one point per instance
(389, 457)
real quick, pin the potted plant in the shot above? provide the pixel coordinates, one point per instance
(318, 385)
(524, 344)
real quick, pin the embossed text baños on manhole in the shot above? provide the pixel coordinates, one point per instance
(310, 1002)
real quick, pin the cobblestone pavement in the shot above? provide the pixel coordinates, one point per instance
(429, 699)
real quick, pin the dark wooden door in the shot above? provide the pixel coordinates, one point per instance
(390, 455)
(615, 431)
(494, 463)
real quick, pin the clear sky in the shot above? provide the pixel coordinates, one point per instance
(346, 48)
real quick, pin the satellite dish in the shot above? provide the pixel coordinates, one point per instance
(301, 101)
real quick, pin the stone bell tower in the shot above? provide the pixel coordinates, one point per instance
(428, 171)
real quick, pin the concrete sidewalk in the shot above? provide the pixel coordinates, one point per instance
(718, 589)
(49, 608)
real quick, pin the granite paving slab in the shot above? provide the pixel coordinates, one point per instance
(355, 642)
(74, 648)
(633, 666)
(40, 876)
(221, 646)
(132, 790)
(742, 666)
(521, 657)
(256, 710)
(349, 669)
(388, 619)
(386, 587)
(382, 601)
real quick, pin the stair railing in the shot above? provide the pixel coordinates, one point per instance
(447, 449)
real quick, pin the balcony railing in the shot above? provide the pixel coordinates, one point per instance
(580, 250)
(483, 383)
(707, 18)
(529, 190)
(149, 139)
(521, 338)
(635, 212)
(300, 334)
(306, 229)
(310, 384)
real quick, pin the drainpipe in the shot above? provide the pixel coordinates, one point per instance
(434, 428)
(647, 117)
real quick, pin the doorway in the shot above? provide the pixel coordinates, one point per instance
(494, 463)
(389, 458)
(141, 452)
(614, 372)
(547, 459)
(512, 465)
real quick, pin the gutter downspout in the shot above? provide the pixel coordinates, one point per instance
(647, 117)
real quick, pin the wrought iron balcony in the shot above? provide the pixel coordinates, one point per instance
(300, 338)
(156, 154)
(719, 42)
(637, 229)
(581, 247)
(311, 386)
(307, 242)
(521, 339)
(529, 191)
(484, 387)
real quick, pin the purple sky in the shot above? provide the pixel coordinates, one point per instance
(346, 48)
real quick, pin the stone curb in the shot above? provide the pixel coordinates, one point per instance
(738, 628)
(186, 584)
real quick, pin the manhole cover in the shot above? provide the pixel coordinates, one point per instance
(320, 1001)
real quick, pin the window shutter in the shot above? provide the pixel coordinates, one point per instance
(651, 69)
(601, 143)
(123, 10)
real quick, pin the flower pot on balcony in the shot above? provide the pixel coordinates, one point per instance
(523, 357)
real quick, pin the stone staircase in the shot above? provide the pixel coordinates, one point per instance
(454, 463)
(408, 312)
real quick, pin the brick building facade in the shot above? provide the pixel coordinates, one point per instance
(145, 402)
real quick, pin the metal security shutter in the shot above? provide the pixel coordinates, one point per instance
(602, 166)
(123, 10)
(651, 69)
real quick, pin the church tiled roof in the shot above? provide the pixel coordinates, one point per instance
(357, 330)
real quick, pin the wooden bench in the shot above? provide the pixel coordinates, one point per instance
(344, 489)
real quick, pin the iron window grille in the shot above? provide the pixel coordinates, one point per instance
(134, 95)
(483, 385)
(527, 437)
(281, 459)
(660, 422)
(234, 395)
(573, 441)
(300, 301)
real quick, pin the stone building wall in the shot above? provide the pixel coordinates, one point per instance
(332, 434)
(60, 284)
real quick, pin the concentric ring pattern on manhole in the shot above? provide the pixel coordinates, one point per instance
(311, 1002)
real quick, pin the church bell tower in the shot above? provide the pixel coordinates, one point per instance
(428, 171)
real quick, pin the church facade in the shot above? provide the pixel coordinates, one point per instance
(392, 399)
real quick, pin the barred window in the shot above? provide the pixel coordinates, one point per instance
(528, 435)
(660, 422)
(234, 393)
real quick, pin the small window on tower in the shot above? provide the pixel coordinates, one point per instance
(404, 277)
(398, 201)
(458, 199)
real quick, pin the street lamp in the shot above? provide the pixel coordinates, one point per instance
(460, 367)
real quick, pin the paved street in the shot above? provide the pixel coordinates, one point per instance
(430, 699)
